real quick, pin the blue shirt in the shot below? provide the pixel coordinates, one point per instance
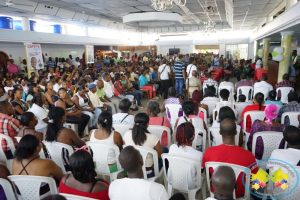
(293, 72)
(179, 66)
(216, 61)
(106, 61)
(186, 59)
(51, 63)
(143, 80)
(154, 75)
(98, 66)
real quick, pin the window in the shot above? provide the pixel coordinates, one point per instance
(237, 51)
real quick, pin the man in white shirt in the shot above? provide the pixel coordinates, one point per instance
(263, 83)
(163, 76)
(123, 116)
(191, 67)
(135, 187)
(258, 63)
(95, 99)
(210, 81)
(109, 90)
(193, 83)
(76, 63)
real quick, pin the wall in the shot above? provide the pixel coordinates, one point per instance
(222, 49)
(165, 49)
(251, 53)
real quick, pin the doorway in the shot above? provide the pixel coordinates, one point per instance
(3, 60)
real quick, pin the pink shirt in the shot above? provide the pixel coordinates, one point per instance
(13, 69)
(120, 87)
(161, 121)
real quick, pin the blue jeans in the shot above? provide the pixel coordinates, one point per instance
(137, 95)
(160, 163)
(238, 72)
(216, 66)
(135, 86)
(93, 116)
(179, 86)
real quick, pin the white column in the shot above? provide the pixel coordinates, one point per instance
(25, 24)
(290, 3)
(269, 18)
(86, 31)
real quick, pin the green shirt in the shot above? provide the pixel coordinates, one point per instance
(100, 93)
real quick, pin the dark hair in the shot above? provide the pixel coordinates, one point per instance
(26, 147)
(228, 127)
(81, 87)
(226, 77)
(124, 105)
(129, 159)
(185, 133)
(40, 79)
(105, 121)
(65, 77)
(272, 94)
(188, 108)
(292, 96)
(82, 82)
(153, 106)
(259, 97)
(82, 166)
(37, 99)
(143, 70)
(105, 75)
(243, 76)
(13, 93)
(291, 134)
(191, 60)
(139, 129)
(117, 76)
(242, 98)
(25, 118)
(224, 93)
(209, 75)
(172, 92)
(210, 91)
(264, 77)
(57, 79)
(55, 114)
(285, 77)
(180, 56)
(226, 112)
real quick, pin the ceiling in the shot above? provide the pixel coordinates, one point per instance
(240, 15)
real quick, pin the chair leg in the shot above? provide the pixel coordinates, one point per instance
(192, 194)
(203, 189)
(113, 176)
(170, 190)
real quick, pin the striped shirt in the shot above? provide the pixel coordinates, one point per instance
(179, 66)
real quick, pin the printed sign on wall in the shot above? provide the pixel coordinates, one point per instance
(34, 57)
(89, 54)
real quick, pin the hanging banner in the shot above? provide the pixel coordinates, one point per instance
(34, 57)
(89, 54)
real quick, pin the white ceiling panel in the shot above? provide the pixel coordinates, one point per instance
(144, 8)
(133, 3)
(45, 9)
(79, 16)
(131, 9)
(65, 14)
(104, 22)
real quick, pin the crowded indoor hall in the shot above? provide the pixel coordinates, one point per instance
(149, 99)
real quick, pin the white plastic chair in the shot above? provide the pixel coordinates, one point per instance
(18, 139)
(29, 186)
(230, 89)
(55, 150)
(41, 154)
(254, 115)
(239, 107)
(245, 90)
(218, 138)
(74, 127)
(211, 105)
(179, 166)
(173, 109)
(198, 131)
(284, 93)
(100, 152)
(75, 197)
(122, 128)
(237, 170)
(8, 191)
(216, 116)
(205, 86)
(158, 130)
(11, 145)
(292, 116)
(271, 141)
(264, 90)
(204, 113)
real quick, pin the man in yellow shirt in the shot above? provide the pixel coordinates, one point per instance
(208, 58)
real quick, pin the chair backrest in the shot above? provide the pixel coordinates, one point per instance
(237, 170)
(211, 105)
(10, 145)
(18, 139)
(216, 114)
(122, 128)
(172, 111)
(29, 186)
(264, 90)
(254, 115)
(55, 150)
(247, 91)
(158, 130)
(292, 116)
(180, 165)
(198, 131)
(8, 191)
(75, 197)
(100, 153)
(284, 93)
(215, 132)
(230, 89)
(204, 114)
(205, 86)
(239, 107)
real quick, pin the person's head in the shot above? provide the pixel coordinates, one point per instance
(144, 71)
(293, 96)
(185, 134)
(291, 134)
(226, 77)
(57, 117)
(188, 108)
(81, 90)
(209, 75)
(153, 108)
(33, 62)
(242, 98)
(62, 92)
(271, 113)
(272, 95)
(224, 93)
(39, 99)
(224, 182)
(228, 128)
(8, 83)
(243, 76)
(264, 77)
(285, 77)
(139, 130)
(124, 105)
(100, 84)
(82, 82)
(105, 121)
(49, 86)
(210, 91)
(106, 77)
(259, 99)
(28, 146)
(195, 73)
(192, 60)
(33, 88)
(28, 119)
(294, 53)
(131, 160)
(82, 166)
(226, 112)
(180, 57)
(172, 92)
(117, 76)
(42, 80)
(6, 108)
(17, 94)
(93, 87)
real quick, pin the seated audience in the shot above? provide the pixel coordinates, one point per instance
(193, 82)
(257, 106)
(120, 90)
(29, 122)
(271, 113)
(272, 98)
(8, 85)
(83, 181)
(33, 88)
(263, 83)
(144, 84)
(152, 111)
(197, 97)
(185, 135)
(210, 94)
(3, 94)
(109, 90)
(83, 103)
(103, 98)
(124, 116)
(237, 68)
(42, 83)
(140, 136)
(242, 82)
(51, 95)
(209, 81)
(224, 94)
(242, 98)
(291, 106)
(226, 82)
(107, 134)
(231, 153)
(172, 99)
(17, 102)
(58, 84)
(97, 103)
(284, 83)
(27, 162)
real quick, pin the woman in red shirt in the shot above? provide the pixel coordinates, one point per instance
(257, 106)
(82, 181)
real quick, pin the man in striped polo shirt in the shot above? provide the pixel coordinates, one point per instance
(180, 75)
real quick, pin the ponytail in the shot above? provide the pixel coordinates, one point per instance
(55, 123)
(139, 129)
(259, 97)
(105, 121)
